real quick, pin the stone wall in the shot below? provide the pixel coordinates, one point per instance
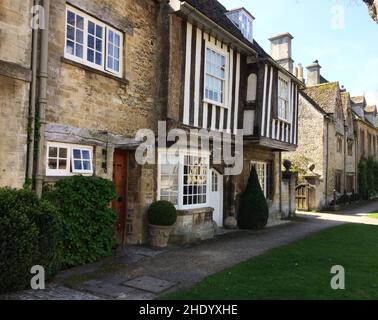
(15, 75)
(311, 139)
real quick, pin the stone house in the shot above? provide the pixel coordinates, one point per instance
(75, 92)
(366, 128)
(92, 77)
(327, 146)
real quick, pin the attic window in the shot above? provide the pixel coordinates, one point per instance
(244, 21)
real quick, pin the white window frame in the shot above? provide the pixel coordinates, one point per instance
(282, 77)
(57, 172)
(105, 28)
(181, 157)
(120, 34)
(224, 53)
(265, 164)
(82, 148)
(69, 171)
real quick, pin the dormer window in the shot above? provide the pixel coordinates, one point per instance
(244, 21)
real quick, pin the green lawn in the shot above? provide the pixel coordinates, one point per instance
(373, 215)
(301, 270)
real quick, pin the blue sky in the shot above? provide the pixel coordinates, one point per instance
(338, 33)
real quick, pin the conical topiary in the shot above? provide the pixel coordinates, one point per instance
(253, 210)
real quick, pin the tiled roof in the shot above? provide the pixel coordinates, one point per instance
(313, 103)
(325, 95)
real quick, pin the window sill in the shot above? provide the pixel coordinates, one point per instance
(214, 103)
(93, 70)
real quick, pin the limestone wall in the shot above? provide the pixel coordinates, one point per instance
(15, 61)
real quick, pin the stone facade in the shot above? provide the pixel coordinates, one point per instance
(15, 77)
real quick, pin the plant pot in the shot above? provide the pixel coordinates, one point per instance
(160, 235)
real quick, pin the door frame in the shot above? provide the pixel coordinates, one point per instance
(220, 192)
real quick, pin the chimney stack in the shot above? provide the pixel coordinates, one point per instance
(300, 73)
(281, 50)
(313, 74)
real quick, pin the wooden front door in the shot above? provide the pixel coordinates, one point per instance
(301, 197)
(120, 181)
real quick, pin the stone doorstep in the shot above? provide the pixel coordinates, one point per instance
(149, 284)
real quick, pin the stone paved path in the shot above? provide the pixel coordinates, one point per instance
(143, 273)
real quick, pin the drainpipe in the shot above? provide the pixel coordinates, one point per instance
(42, 99)
(33, 90)
(326, 169)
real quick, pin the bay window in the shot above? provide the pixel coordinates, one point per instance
(183, 179)
(93, 43)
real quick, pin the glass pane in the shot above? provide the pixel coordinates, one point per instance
(70, 47)
(87, 165)
(116, 53)
(90, 55)
(99, 31)
(71, 18)
(99, 45)
(62, 164)
(53, 164)
(91, 27)
(77, 165)
(70, 33)
(53, 152)
(79, 51)
(110, 49)
(111, 36)
(62, 153)
(80, 22)
(98, 58)
(77, 154)
(86, 154)
(91, 42)
(117, 39)
(116, 65)
(110, 63)
(79, 36)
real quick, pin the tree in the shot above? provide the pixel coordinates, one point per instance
(253, 211)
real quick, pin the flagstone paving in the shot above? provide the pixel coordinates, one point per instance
(142, 273)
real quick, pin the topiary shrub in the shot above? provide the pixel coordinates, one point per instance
(162, 213)
(88, 221)
(29, 235)
(253, 209)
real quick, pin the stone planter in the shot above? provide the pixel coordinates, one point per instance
(160, 235)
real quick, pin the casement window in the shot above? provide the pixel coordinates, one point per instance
(261, 169)
(215, 76)
(283, 99)
(184, 181)
(93, 43)
(65, 159)
(338, 177)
